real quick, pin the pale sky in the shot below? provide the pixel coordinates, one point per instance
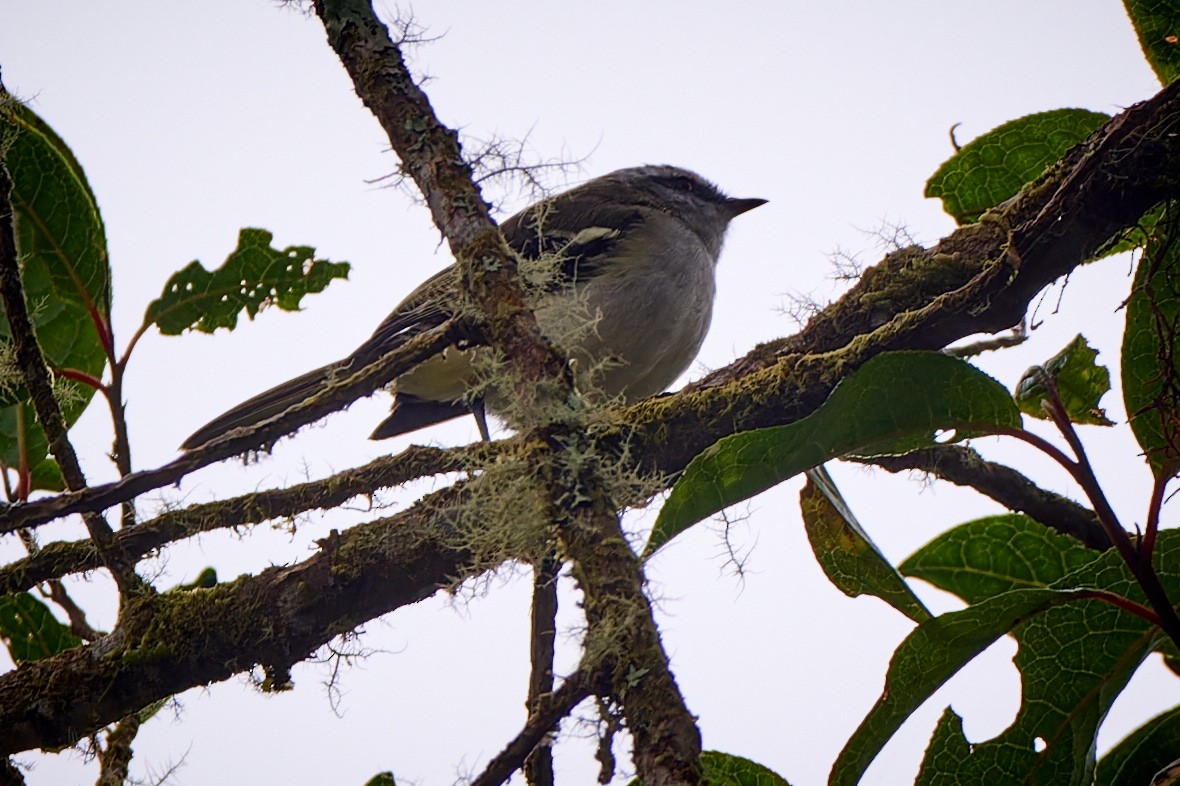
(194, 120)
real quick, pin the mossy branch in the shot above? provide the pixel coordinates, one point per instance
(170, 642)
(61, 558)
(981, 277)
(585, 518)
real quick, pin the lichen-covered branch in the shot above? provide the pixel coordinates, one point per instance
(173, 641)
(667, 742)
(62, 558)
(538, 765)
(1127, 167)
(979, 278)
(341, 393)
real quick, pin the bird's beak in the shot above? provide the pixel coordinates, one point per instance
(735, 207)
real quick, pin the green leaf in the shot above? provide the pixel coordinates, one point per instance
(725, 769)
(1081, 383)
(145, 714)
(1074, 660)
(1133, 237)
(997, 554)
(382, 779)
(206, 579)
(64, 265)
(927, 658)
(47, 476)
(30, 630)
(995, 166)
(895, 403)
(1157, 23)
(1151, 349)
(848, 556)
(253, 276)
(1142, 753)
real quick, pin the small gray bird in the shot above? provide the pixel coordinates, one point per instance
(620, 274)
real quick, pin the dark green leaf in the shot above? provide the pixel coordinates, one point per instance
(1157, 23)
(725, 769)
(30, 630)
(1081, 383)
(382, 779)
(848, 556)
(47, 476)
(205, 579)
(927, 658)
(895, 403)
(1142, 753)
(997, 554)
(1074, 660)
(1151, 349)
(253, 276)
(996, 165)
(1134, 237)
(64, 264)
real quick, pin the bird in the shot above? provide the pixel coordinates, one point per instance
(618, 270)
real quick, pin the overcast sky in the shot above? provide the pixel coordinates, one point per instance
(194, 120)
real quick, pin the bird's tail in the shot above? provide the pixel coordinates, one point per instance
(411, 413)
(265, 405)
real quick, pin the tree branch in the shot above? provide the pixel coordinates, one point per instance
(978, 278)
(542, 650)
(35, 373)
(343, 392)
(170, 642)
(667, 741)
(965, 467)
(60, 558)
(548, 713)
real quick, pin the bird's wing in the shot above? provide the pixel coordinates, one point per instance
(579, 241)
(426, 307)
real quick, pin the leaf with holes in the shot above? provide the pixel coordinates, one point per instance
(1157, 23)
(1074, 657)
(253, 276)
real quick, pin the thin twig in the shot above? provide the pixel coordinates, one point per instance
(1154, 506)
(35, 373)
(542, 649)
(58, 559)
(79, 625)
(239, 441)
(549, 711)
